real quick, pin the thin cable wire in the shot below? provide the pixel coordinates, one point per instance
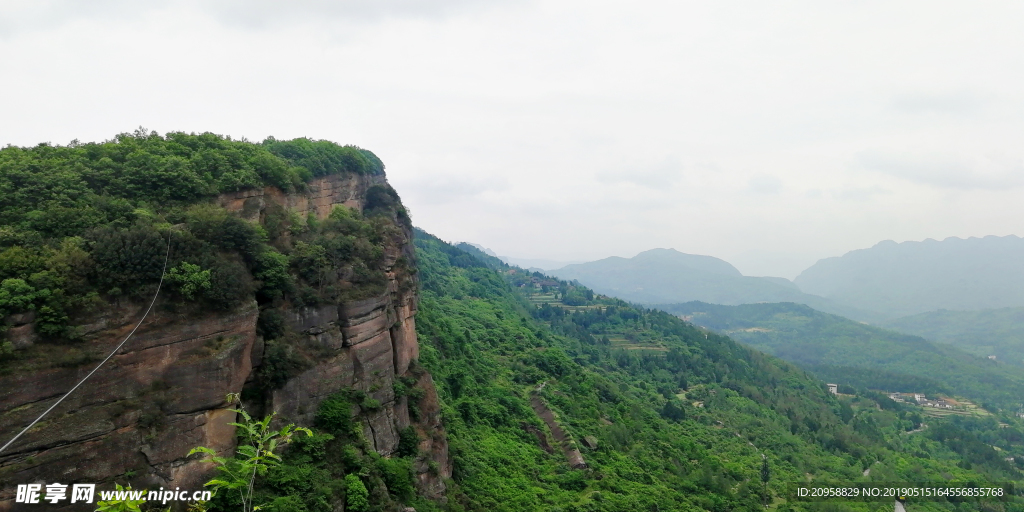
(155, 295)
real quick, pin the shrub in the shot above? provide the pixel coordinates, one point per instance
(398, 476)
(127, 258)
(271, 324)
(6, 350)
(189, 279)
(271, 269)
(280, 363)
(231, 283)
(335, 415)
(223, 230)
(408, 442)
(357, 498)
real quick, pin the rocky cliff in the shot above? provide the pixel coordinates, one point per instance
(164, 392)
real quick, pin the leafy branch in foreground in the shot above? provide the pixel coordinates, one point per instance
(255, 455)
(123, 502)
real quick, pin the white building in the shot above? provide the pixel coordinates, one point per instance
(833, 388)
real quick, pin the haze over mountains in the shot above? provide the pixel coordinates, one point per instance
(914, 277)
(660, 276)
(881, 283)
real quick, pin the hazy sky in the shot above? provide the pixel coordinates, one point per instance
(769, 134)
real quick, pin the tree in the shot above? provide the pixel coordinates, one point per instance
(190, 279)
(253, 458)
(766, 474)
(357, 498)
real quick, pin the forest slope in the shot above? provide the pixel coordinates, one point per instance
(849, 352)
(986, 332)
(666, 416)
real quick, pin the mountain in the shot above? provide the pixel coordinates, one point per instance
(900, 279)
(557, 398)
(661, 276)
(290, 281)
(987, 332)
(289, 288)
(849, 352)
(538, 263)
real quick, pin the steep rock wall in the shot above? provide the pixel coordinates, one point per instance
(164, 393)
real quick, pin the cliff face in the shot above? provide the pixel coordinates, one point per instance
(164, 393)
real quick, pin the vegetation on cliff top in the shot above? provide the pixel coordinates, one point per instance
(55, 191)
(85, 225)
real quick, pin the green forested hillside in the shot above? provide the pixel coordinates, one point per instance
(997, 332)
(666, 416)
(840, 349)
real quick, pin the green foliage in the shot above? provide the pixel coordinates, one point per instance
(681, 416)
(850, 352)
(224, 231)
(120, 505)
(398, 476)
(673, 410)
(271, 324)
(408, 442)
(381, 199)
(87, 222)
(189, 279)
(126, 259)
(272, 271)
(281, 361)
(323, 157)
(335, 416)
(255, 456)
(998, 332)
(17, 295)
(357, 498)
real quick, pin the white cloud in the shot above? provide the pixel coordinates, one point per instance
(949, 171)
(958, 103)
(765, 184)
(658, 176)
(551, 121)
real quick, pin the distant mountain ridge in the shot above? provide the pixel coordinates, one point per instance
(661, 276)
(899, 279)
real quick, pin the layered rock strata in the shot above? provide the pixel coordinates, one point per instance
(164, 393)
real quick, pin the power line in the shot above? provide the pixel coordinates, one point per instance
(116, 349)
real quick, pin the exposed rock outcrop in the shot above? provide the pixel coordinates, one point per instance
(569, 449)
(142, 412)
(164, 393)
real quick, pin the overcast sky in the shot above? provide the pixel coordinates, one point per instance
(769, 134)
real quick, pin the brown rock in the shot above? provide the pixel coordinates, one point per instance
(163, 394)
(23, 318)
(22, 336)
